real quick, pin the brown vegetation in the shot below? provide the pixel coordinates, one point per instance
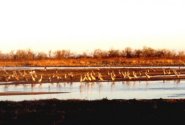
(127, 57)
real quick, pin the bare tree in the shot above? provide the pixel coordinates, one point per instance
(59, 54)
(128, 52)
(41, 55)
(99, 53)
(138, 53)
(113, 53)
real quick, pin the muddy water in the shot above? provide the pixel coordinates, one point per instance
(99, 90)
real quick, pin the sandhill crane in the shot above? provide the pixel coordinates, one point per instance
(24, 73)
(140, 74)
(9, 77)
(119, 72)
(164, 72)
(93, 73)
(175, 72)
(134, 74)
(53, 76)
(146, 74)
(50, 79)
(65, 76)
(108, 73)
(40, 80)
(169, 72)
(92, 76)
(33, 75)
(85, 78)
(100, 76)
(148, 70)
(14, 73)
(58, 77)
(81, 79)
(26, 79)
(20, 73)
(71, 75)
(124, 74)
(88, 77)
(17, 77)
(5, 71)
(113, 76)
(33, 78)
(128, 75)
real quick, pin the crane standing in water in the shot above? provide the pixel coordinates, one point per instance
(40, 80)
(100, 76)
(147, 76)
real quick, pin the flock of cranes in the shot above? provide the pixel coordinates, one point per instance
(41, 76)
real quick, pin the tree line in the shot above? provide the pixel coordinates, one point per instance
(145, 52)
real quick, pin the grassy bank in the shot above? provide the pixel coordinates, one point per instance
(76, 112)
(116, 61)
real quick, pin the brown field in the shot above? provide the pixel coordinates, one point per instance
(116, 61)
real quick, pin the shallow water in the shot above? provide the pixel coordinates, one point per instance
(99, 90)
(42, 68)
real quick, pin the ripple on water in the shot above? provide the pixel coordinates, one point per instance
(99, 90)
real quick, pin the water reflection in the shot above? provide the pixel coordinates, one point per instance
(99, 90)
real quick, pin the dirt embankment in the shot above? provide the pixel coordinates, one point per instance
(76, 112)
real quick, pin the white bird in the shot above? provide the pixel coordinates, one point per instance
(85, 78)
(119, 72)
(40, 80)
(124, 74)
(164, 72)
(175, 72)
(134, 74)
(88, 77)
(169, 72)
(100, 77)
(81, 79)
(65, 76)
(146, 74)
(9, 77)
(113, 76)
(49, 79)
(128, 75)
(92, 76)
(33, 78)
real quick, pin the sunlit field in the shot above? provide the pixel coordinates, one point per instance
(101, 79)
(92, 62)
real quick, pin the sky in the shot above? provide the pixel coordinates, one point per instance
(85, 25)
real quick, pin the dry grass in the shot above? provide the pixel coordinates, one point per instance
(116, 61)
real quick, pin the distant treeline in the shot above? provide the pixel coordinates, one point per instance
(145, 52)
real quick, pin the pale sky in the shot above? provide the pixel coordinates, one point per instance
(84, 25)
